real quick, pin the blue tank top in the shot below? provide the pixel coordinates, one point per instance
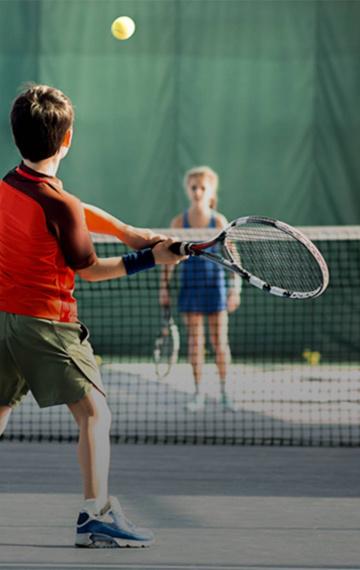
(202, 282)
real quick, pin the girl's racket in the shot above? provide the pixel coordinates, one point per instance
(268, 254)
(167, 344)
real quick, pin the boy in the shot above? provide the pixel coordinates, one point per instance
(44, 241)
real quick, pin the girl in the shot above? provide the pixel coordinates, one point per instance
(202, 286)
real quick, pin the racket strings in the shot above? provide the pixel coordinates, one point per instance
(275, 257)
(167, 344)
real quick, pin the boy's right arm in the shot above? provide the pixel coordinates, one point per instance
(114, 267)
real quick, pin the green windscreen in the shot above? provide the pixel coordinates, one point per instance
(266, 92)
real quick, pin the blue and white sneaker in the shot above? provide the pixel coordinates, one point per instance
(110, 529)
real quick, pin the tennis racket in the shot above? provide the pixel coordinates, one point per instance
(268, 254)
(167, 344)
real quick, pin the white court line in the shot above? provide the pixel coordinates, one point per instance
(69, 566)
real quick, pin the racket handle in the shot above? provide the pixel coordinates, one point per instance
(179, 248)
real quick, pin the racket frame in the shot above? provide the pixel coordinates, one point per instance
(162, 370)
(199, 248)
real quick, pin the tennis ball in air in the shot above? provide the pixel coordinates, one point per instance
(123, 28)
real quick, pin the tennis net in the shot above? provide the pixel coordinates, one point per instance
(295, 365)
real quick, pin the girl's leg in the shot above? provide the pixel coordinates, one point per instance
(218, 325)
(196, 342)
(196, 349)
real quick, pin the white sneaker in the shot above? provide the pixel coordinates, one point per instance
(197, 403)
(228, 402)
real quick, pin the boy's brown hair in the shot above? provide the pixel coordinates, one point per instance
(40, 118)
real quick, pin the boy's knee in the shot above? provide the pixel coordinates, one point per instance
(102, 410)
(100, 416)
(106, 416)
(92, 411)
(5, 412)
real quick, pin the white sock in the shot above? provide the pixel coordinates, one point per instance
(94, 506)
(90, 506)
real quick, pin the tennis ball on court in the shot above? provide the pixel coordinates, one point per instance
(312, 357)
(98, 359)
(123, 28)
(315, 358)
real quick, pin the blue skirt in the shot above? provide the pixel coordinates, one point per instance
(202, 287)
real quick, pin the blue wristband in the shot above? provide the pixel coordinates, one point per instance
(138, 260)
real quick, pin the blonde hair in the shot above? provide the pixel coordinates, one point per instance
(209, 173)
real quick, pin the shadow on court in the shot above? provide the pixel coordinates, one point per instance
(210, 506)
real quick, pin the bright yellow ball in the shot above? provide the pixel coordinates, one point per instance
(98, 359)
(123, 28)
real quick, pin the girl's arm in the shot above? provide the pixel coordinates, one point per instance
(234, 287)
(166, 272)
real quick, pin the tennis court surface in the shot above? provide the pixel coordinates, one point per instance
(223, 507)
(277, 484)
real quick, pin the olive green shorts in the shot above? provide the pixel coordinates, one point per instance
(53, 360)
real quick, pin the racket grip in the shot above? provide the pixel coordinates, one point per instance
(179, 248)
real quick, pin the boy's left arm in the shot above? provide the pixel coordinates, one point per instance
(101, 222)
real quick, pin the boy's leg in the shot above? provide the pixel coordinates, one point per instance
(5, 412)
(93, 417)
(12, 383)
(60, 368)
(101, 523)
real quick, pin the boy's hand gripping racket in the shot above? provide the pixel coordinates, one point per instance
(268, 254)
